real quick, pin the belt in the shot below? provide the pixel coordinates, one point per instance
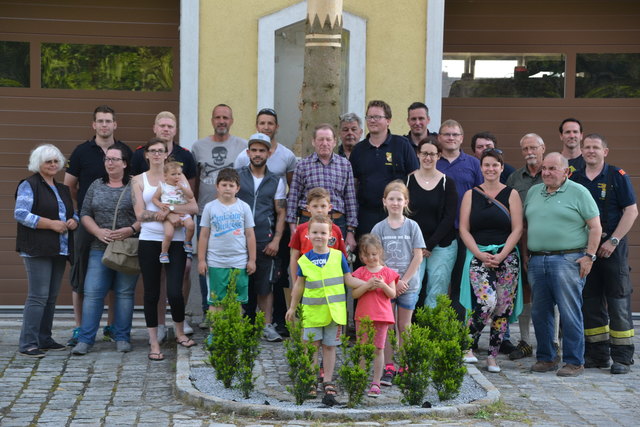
(568, 251)
(332, 215)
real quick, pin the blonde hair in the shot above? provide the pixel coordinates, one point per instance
(321, 219)
(171, 165)
(370, 240)
(166, 115)
(318, 193)
(397, 185)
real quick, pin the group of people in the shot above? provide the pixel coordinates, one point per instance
(545, 242)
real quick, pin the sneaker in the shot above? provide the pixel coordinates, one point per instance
(187, 329)
(123, 346)
(81, 349)
(108, 334)
(523, 349)
(541, 366)
(54, 346)
(282, 330)
(569, 370)
(374, 391)
(74, 338)
(270, 333)
(620, 368)
(188, 247)
(164, 258)
(34, 352)
(507, 347)
(387, 377)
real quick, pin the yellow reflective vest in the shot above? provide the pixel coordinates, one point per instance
(324, 297)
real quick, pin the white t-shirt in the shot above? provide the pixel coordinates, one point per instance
(154, 230)
(280, 162)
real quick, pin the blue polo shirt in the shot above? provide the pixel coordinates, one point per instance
(465, 171)
(614, 183)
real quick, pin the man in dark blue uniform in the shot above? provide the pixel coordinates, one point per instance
(606, 308)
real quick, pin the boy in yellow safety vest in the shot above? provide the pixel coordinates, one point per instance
(322, 274)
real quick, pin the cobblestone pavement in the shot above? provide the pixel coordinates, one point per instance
(110, 388)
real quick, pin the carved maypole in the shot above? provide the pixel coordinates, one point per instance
(320, 93)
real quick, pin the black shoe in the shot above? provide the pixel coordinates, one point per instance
(507, 347)
(54, 346)
(590, 363)
(34, 352)
(522, 350)
(620, 368)
(282, 330)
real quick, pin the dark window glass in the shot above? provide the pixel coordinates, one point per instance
(503, 75)
(107, 67)
(14, 64)
(608, 75)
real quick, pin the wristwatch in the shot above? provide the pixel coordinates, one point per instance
(614, 241)
(592, 256)
(172, 208)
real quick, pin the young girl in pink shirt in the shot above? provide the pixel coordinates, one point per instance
(374, 299)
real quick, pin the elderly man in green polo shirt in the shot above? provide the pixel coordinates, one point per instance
(562, 237)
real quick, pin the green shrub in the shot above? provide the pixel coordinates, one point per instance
(415, 355)
(302, 371)
(451, 338)
(250, 334)
(354, 372)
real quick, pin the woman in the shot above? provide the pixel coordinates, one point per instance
(151, 235)
(98, 209)
(44, 211)
(490, 227)
(434, 204)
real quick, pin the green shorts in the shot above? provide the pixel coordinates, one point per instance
(218, 282)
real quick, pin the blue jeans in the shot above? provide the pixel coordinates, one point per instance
(555, 280)
(438, 267)
(99, 280)
(45, 275)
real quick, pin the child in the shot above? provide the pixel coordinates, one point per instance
(227, 242)
(322, 273)
(318, 203)
(175, 190)
(403, 243)
(374, 299)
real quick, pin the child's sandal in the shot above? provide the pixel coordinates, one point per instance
(374, 391)
(313, 391)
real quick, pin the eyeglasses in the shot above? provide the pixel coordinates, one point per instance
(112, 159)
(425, 154)
(156, 152)
(374, 118)
(451, 135)
(492, 150)
(52, 161)
(527, 148)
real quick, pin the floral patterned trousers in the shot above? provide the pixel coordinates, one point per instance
(495, 291)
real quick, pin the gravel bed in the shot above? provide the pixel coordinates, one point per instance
(203, 379)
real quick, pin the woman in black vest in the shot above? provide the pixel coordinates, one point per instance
(45, 215)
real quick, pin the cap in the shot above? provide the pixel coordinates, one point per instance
(260, 137)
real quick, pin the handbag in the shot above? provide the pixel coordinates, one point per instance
(122, 255)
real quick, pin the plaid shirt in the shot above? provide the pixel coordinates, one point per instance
(336, 178)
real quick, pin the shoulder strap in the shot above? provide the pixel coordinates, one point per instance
(498, 204)
(115, 214)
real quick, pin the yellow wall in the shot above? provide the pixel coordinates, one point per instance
(228, 55)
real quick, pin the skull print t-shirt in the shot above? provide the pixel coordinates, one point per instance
(211, 158)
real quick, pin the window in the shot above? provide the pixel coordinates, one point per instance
(107, 67)
(608, 75)
(14, 64)
(503, 75)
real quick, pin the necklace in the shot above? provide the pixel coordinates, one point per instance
(427, 179)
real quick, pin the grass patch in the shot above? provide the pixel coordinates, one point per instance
(501, 411)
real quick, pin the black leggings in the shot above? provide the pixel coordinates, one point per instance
(150, 266)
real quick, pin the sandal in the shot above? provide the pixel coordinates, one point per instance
(188, 247)
(156, 357)
(313, 391)
(186, 342)
(374, 391)
(330, 393)
(164, 258)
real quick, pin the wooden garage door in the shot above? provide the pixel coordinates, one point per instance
(43, 108)
(566, 27)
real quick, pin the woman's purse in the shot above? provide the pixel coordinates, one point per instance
(122, 255)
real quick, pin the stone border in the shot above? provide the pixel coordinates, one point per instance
(186, 392)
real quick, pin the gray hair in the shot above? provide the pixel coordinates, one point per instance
(534, 136)
(42, 153)
(350, 117)
(561, 159)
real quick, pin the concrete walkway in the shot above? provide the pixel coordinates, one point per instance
(110, 388)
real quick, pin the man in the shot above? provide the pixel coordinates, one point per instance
(571, 136)
(85, 165)
(484, 140)
(282, 161)
(165, 127)
(562, 237)
(466, 173)
(212, 154)
(608, 325)
(265, 193)
(350, 133)
(377, 160)
(418, 119)
(323, 168)
(522, 180)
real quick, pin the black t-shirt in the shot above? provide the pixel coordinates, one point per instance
(488, 224)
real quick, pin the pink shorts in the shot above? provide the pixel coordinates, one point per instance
(381, 333)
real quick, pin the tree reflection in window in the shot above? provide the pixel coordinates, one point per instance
(608, 75)
(107, 67)
(14, 64)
